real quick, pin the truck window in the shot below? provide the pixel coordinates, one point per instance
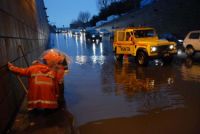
(128, 36)
(121, 36)
(144, 33)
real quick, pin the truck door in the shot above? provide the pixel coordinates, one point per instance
(129, 41)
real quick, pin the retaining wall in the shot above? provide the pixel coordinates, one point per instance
(23, 22)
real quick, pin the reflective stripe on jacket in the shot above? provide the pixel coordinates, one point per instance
(42, 89)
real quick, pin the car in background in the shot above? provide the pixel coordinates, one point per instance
(104, 32)
(191, 42)
(93, 35)
(174, 38)
(76, 32)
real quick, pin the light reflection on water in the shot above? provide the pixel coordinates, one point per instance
(81, 59)
(128, 92)
(94, 59)
(148, 86)
(98, 88)
(190, 71)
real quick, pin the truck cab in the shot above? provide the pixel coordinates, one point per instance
(142, 43)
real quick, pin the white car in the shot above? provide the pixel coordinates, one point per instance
(191, 42)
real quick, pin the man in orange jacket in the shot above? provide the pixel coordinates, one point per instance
(42, 91)
(58, 61)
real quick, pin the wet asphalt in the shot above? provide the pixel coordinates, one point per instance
(110, 97)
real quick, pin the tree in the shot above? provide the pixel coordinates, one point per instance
(75, 24)
(94, 20)
(82, 20)
(114, 7)
(102, 4)
(84, 17)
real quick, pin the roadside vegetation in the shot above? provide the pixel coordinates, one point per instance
(106, 8)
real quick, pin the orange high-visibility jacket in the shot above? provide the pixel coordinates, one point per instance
(42, 91)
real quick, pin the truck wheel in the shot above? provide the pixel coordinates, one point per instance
(189, 50)
(142, 58)
(119, 57)
(168, 59)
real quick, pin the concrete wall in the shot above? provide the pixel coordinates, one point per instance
(22, 22)
(167, 16)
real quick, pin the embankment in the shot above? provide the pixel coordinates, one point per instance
(167, 16)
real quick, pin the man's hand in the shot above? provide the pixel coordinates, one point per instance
(10, 66)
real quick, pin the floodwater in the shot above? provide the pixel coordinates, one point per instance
(108, 97)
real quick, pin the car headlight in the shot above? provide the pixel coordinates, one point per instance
(153, 49)
(93, 35)
(180, 41)
(171, 47)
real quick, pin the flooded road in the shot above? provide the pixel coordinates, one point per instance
(108, 97)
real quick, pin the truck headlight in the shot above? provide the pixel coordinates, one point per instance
(171, 47)
(153, 49)
(180, 41)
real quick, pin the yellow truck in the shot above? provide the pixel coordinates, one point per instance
(142, 43)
